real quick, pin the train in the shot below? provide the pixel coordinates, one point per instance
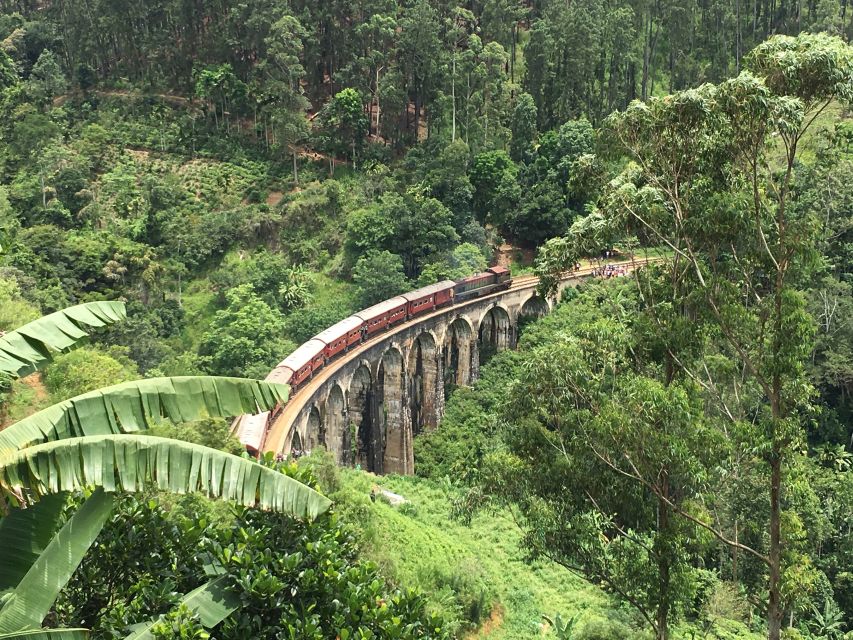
(301, 365)
(310, 357)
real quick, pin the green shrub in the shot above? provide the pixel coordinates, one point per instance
(605, 629)
(180, 623)
(465, 588)
(295, 579)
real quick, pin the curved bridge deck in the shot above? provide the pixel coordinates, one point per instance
(367, 405)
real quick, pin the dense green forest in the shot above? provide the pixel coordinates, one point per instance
(666, 456)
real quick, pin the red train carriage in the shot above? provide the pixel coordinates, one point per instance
(304, 361)
(429, 298)
(339, 337)
(383, 315)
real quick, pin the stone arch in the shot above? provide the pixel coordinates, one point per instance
(426, 383)
(315, 433)
(361, 443)
(496, 332)
(459, 347)
(535, 306)
(334, 421)
(296, 448)
(392, 416)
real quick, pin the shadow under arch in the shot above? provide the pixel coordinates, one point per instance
(334, 422)
(315, 434)
(534, 307)
(495, 332)
(424, 381)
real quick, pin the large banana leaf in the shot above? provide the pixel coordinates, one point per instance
(24, 535)
(134, 462)
(132, 406)
(28, 348)
(47, 634)
(212, 601)
(32, 599)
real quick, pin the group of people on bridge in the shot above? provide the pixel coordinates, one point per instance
(610, 271)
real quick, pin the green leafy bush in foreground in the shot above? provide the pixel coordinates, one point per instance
(295, 579)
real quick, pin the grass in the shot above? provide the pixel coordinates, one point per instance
(480, 571)
(27, 396)
(419, 545)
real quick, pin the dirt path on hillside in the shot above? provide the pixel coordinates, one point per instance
(40, 398)
(506, 254)
(492, 623)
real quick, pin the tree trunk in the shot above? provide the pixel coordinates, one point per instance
(644, 87)
(417, 116)
(453, 96)
(467, 105)
(738, 38)
(754, 18)
(664, 562)
(734, 555)
(774, 605)
(376, 129)
(512, 52)
(295, 168)
(653, 39)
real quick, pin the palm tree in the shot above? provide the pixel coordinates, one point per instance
(98, 440)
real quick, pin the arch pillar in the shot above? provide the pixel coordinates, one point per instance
(362, 440)
(426, 383)
(475, 360)
(393, 420)
(407, 435)
(439, 398)
(334, 421)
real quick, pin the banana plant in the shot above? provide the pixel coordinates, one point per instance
(28, 348)
(99, 439)
(563, 629)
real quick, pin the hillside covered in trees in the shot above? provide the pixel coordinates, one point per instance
(667, 456)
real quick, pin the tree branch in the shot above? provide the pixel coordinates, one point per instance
(677, 509)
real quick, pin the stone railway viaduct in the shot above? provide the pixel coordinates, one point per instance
(367, 406)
